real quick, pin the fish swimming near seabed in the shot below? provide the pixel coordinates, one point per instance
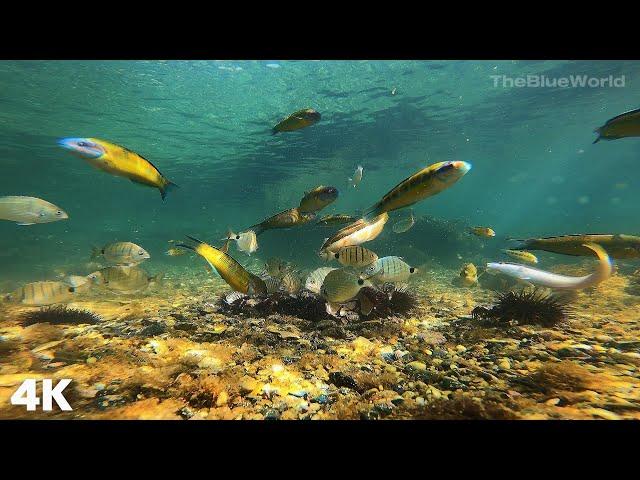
(42, 293)
(625, 125)
(617, 246)
(425, 183)
(522, 255)
(121, 253)
(29, 210)
(314, 280)
(285, 219)
(358, 232)
(118, 161)
(553, 280)
(236, 276)
(125, 279)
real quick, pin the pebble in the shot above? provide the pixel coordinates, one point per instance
(417, 366)
(222, 399)
(504, 363)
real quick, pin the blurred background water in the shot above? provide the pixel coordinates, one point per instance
(207, 126)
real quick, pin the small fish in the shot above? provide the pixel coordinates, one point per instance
(30, 210)
(553, 280)
(236, 276)
(79, 282)
(522, 255)
(393, 92)
(247, 242)
(427, 182)
(42, 293)
(121, 253)
(337, 219)
(290, 283)
(357, 176)
(233, 297)
(314, 281)
(342, 285)
(286, 219)
(118, 161)
(404, 224)
(358, 232)
(273, 284)
(175, 252)
(624, 125)
(317, 199)
(482, 232)
(124, 279)
(618, 246)
(389, 269)
(276, 267)
(355, 256)
(297, 120)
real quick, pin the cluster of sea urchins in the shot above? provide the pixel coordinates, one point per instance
(308, 306)
(305, 305)
(526, 307)
(60, 314)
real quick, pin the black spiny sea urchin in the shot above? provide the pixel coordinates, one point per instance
(60, 314)
(386, 301)
(304, 305)
(527, 307)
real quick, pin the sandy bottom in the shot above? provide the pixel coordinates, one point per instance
(169, 354)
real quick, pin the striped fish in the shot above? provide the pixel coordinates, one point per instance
(42, 293)
(389, 269)
(290, 283)
(355, 256)
(121, 253)
(272, 283)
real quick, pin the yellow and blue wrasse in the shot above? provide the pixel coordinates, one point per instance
(427, 182)
(317, 199)
(118, 161)
(297, 120)
(236, 276)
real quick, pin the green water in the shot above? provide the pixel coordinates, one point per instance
(206, 125)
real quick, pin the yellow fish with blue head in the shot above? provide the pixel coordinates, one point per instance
(119, 161)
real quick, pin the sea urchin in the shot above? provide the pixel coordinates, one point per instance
(60, 314)
(530, 307)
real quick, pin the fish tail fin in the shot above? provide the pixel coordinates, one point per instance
(167, 188)
(95, 253)
(194, 239)
(606, 264)
(597, 130)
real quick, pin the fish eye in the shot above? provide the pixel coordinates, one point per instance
(337, 255)
(360, 281)
(83, 144)
(237, 237)
(71, 289)
(412, 269)
(140, 252)
(42, 214)
(58, 212)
